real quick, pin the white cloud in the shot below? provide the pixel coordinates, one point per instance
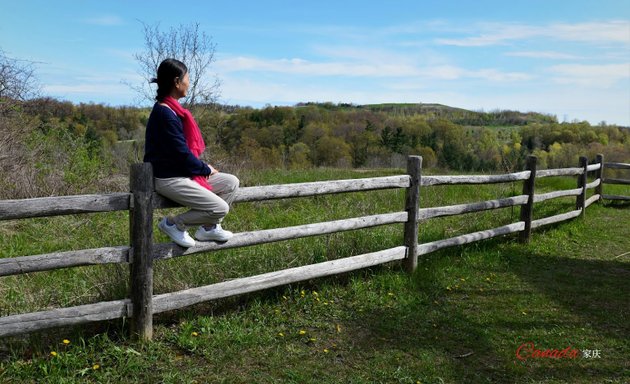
(543, 55)
(370, 69)
(502, 33)
(604, 75)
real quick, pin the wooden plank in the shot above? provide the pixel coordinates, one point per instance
(556, 218)
(560, 172)
(426, 248)
(594, 184)
(451, 210)
(244, 239)
(615, 197)
(594, 167)
(599, 175)
(35, 321)
(592, 200)
(617, 165)
(527, 210)
(609, 180)
(63, 205)
(580, 200)
(141, 224)
(56, 260)
(282, 191)
(412, 203)
(556, 194)
(181, 299)
(474, 179)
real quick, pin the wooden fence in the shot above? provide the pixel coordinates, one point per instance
(142, 252)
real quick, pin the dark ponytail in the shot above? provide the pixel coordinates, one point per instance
(167, 72)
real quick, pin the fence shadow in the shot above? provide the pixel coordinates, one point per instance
(593, 292)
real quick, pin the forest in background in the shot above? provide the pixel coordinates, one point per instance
(51, 147)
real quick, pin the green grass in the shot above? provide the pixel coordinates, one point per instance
(458, 319)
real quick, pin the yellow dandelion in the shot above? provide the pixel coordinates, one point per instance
(280, 334)
(284, 297)
(53, 354)
(315, 293)
(338, 328)
(95, 367)
(524, 313)
(194, 334)
(66, 341)
(302, 293)
(312, 339)
(325, 303)
(487, 279)
(448, 288)
(462, 279)
(326, 350)
(390, 294)
(302, 332)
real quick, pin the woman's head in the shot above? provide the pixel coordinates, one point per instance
(172, 79)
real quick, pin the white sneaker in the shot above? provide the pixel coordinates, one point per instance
(215, 234)
(180, 237)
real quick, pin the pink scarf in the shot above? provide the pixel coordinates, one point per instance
(191, 133)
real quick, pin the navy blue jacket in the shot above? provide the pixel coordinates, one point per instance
(166, 149)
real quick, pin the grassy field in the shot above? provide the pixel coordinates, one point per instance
(459, 319)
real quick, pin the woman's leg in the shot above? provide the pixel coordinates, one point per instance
(206, 207)
(224, 185)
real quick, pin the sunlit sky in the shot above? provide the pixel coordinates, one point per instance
(569, 58)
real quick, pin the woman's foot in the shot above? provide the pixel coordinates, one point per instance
(213, 233)
(181, 238)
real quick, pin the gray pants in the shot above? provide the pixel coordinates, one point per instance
(206, 207)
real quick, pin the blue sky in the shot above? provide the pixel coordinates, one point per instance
(566, 58)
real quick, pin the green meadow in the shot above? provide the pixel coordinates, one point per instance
(460, 318)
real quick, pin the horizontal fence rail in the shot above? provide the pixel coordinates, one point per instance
(560, 172)
(479, 179)
(63, 205)
(141, 203)
(617, 165)
(244, 239)
(181, 299)
(50, 261)
(621, 166)
(429, 213)
(29, 322)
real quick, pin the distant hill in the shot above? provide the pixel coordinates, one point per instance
(454, 114)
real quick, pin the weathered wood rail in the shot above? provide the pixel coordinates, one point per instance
(142, 252)
(625, 166)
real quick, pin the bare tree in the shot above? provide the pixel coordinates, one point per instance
(187, 44)
(17, 81)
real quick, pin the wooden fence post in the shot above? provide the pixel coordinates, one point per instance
(580, 201)
(599, 174)
(412, 204)
(527, 209)
(141, 257)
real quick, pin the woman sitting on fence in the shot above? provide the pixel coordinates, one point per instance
(173, 146)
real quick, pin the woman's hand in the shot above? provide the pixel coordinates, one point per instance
(213, 171)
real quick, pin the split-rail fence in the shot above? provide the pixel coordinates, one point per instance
(142, 252)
